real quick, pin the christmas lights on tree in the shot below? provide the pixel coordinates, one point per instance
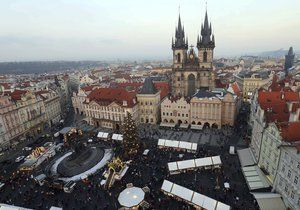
(130, 136)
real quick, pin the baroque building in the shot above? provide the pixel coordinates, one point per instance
(191, 72)
(149, 103)
(108, 107)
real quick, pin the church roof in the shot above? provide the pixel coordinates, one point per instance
(148, 87)
(204, 94)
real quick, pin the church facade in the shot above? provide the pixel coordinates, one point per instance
(195, 102)
(191, 71)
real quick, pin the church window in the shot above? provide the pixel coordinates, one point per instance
(178, 58)
(205, 56)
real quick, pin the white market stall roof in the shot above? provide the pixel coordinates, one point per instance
(267, 201)
(246, 157)
(213, 161)
(255, 178)
(177, 144)
(131, 197)
(117, 137)
(196, 127)
(170, 125)
(192, 197)
(184, 125)
(103, 135)
(11, 207)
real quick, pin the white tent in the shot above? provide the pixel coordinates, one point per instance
(117, 137)
(103, 135)
(182, 145)
(191, 197)
(246, 157)
(269, 201)
(131, 197)
(182, 192)
(255, 178)
(183, 165)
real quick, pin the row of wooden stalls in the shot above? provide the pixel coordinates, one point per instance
(194, 164)
(177, 145)
(108, 136)
(197, 200)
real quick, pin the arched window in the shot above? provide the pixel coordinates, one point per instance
(205, 56)
(178, 58)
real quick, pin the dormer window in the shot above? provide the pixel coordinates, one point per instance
(124, 103)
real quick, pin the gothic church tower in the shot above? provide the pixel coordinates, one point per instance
(191, 72)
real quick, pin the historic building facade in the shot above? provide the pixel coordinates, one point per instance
(205, 108)
(288, 174)
(52, 106)
(79, 97)
(175, 111)
(10, 123)
(107, 107)
(191, 72)
(149, 103)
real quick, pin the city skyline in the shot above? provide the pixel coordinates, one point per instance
(99, 30)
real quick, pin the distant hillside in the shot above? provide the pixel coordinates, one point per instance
(273, 54)
(44, 67)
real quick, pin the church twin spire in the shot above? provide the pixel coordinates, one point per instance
(180, 41)
(206, 39)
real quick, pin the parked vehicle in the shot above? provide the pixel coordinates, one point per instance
(19, 159)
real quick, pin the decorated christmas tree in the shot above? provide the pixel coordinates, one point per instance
(130, 137)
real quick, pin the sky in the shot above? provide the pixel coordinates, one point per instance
(32, 30)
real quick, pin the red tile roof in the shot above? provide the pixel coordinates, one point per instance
(17, 94)
(275, 104)
(289, 131)
(164, 88)
(106, 96)
(236, 89)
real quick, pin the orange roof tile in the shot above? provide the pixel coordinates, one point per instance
(289, 131)
(106, 96)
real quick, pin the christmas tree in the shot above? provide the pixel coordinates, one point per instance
(130, 136)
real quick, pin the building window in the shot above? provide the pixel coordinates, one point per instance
(187, 115)
(296, 180)
(205, 56)
(286, 189)
(298, 166)
(163, 114)
(151, 120)
(289, 174)
(292, 195)
(178, 58)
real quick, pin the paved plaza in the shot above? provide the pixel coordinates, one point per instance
(144, 171)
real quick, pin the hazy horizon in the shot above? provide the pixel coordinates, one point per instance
(35, 30)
